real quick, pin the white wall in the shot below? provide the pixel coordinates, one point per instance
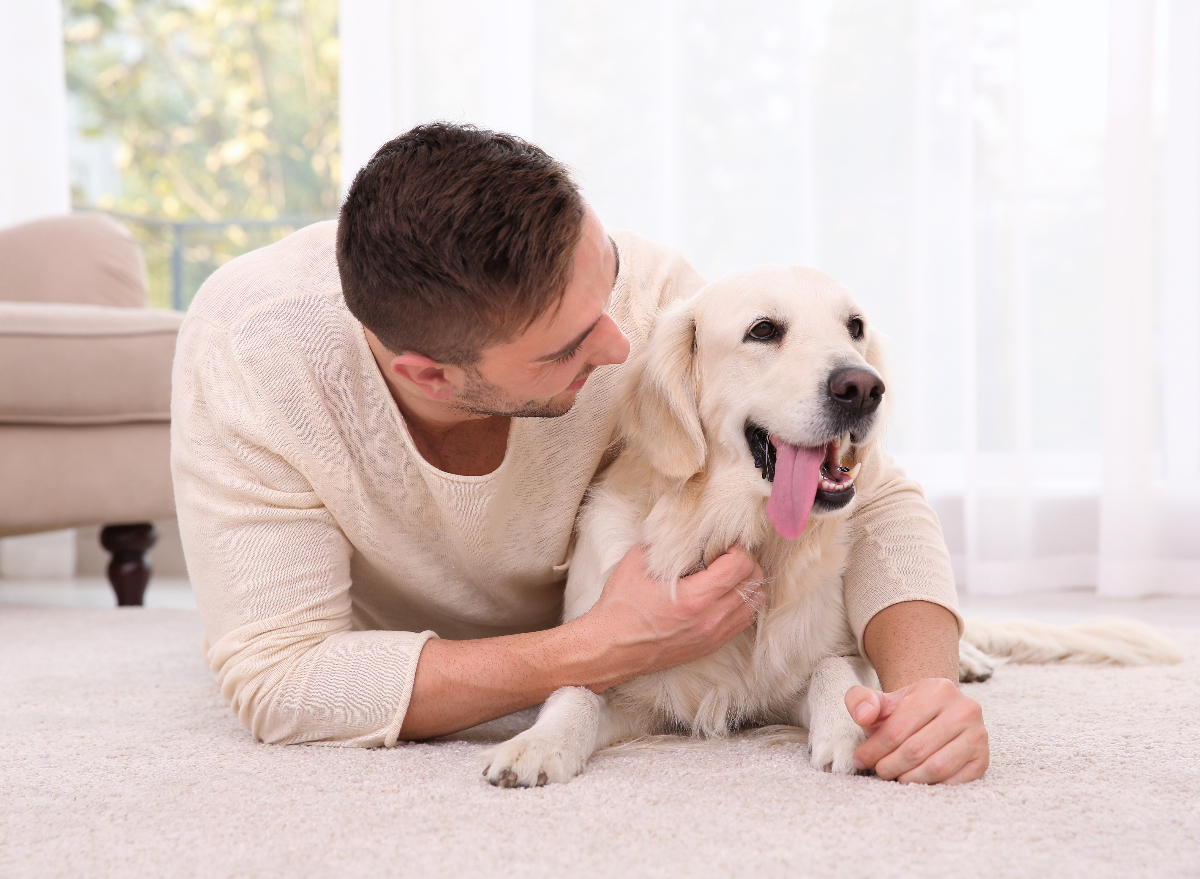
(33, 112)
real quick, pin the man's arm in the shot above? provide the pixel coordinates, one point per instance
(921, 727)
(635, 628)
(912, 640)
(901, 602)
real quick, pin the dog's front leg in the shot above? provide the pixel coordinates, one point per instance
(572, 724)
(833, 736)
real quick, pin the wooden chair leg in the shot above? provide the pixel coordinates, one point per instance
(129, 570)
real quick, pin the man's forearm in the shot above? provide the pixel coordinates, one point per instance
(637, 626)
(459, 684)
(910, 641)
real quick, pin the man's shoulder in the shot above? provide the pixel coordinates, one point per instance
(651, 275)
(301, 266)
(646, 258)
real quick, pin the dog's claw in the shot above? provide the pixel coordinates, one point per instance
(542, 779)
(507, 778)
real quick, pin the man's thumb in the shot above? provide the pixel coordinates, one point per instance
(864, 704)
(889, 702)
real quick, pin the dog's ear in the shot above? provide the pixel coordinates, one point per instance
(661, 416)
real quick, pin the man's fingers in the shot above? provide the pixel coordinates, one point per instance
(973, 770)
(895, 729)
(732, 567)
(957, 762)
(940, 765)
(933, 753)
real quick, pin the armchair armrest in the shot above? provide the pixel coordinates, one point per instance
(85, 364)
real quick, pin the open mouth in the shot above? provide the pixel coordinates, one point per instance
(802, 478)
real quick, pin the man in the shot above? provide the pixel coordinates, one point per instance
(391, 437)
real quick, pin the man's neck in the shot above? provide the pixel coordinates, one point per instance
(445, 435)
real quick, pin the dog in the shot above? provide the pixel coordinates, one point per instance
(753, 415)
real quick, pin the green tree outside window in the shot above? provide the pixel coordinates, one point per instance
(221, 109)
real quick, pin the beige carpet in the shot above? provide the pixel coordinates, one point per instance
(119, 758)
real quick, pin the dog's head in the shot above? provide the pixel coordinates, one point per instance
(771, 376)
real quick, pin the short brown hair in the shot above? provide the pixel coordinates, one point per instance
(455, 238)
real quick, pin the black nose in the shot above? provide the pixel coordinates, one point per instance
(856, 390)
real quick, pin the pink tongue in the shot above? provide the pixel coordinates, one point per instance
(797, 472)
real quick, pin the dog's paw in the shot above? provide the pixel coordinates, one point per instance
(531, 759)
(973, 664)
(832, 745)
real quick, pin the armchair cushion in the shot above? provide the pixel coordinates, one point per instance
(85, 364)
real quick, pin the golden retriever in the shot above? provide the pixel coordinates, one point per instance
(749, 417)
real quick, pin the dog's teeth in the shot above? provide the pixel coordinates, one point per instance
(854, 471)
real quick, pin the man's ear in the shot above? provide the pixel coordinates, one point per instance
(427, 375)
(661, 415)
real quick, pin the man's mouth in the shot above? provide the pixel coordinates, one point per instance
(801, 478)
(579, 382)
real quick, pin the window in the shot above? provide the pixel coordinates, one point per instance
(208, 126)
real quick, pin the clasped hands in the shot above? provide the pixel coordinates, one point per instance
(928, 732)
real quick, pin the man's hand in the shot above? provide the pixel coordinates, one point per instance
(634, 628)
(637, 618)
(927, 732)
(922, 728)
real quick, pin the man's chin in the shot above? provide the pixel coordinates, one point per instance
(559, 404)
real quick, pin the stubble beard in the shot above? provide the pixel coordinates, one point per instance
(481, 397)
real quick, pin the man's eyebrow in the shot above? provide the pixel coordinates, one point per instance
(570, 346)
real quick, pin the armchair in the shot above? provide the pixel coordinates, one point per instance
(85, 389)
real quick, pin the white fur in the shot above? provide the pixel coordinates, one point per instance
(685, 485)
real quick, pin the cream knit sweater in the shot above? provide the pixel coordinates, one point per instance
(324, 550)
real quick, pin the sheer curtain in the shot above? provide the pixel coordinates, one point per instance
(33, 112)
(1011, 188)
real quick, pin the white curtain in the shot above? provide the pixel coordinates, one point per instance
(33, 112)
(1011, 188)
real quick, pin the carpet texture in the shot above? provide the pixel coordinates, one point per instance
(119, 758)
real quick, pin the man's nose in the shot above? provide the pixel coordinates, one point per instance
(614, 344)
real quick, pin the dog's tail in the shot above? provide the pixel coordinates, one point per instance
(1112, 641)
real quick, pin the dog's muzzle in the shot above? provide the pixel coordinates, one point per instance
(836, 486)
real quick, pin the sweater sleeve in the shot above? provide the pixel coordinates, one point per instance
(271, 569)
(897, 552)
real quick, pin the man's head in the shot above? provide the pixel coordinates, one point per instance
(465, 252)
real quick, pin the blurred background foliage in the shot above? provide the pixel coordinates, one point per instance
(212, 110)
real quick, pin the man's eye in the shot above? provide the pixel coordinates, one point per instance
(855, 326)
(570, 355)
(763, 331)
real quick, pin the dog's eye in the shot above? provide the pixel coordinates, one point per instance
(763, 331)
(855, 326)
